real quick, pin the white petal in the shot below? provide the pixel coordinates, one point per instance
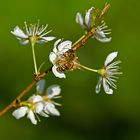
(53, 57)
(79, 20)
(20, 112)
(110, 58)
(38, 107)
(56, 73)
(51, 109)
(35, 98)
(98, 86)
(50, 38)
(106, 87)
(101, 36)
(43, 114)
(100, 33)
(31, 116)
(42, 41)
(88, 17)
(40, 86)
(19, 33)
(23, 41)
(104, 40)
(55, 49)
(53, 91)
(57, 104)
(64, 46)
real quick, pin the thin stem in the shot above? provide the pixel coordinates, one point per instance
(87, 68)
(83, 39)
(34, 58)
(40, 67)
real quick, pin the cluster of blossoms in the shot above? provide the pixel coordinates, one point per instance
(38, 104)
(63, 58)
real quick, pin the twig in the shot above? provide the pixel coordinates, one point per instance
(83, 39)
(75, 46)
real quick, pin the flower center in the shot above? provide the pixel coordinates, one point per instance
(33, 39)
(102, 72)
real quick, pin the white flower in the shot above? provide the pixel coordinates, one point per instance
(47, 107)
(88, 22)
(33, 33)
(39, 105)
(52, 92)
(30, 109)
(108, 74)
(60, 48)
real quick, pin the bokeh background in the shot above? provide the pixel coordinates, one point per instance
(85, 115)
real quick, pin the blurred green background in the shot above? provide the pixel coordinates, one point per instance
(84, 114)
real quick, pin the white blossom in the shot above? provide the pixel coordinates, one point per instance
(39, 105)
(29, 109)
(52, 92)
(88, 22)
(108, 74)
(60, 48)
(32, 33)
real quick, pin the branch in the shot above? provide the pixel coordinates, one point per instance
(75, 46)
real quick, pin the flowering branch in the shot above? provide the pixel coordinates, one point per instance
(63, 58)
(38, 77)
(76, 45)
